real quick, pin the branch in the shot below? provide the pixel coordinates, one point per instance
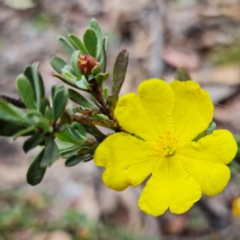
(94, 121)
(13, 101)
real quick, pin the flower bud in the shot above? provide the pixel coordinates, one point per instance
(86, 64)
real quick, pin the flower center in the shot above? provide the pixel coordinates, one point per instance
(167, 145)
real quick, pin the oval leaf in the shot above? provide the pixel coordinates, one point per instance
(26, 91)
(119, 71)
(33, 141)
(28, 72)
(95, 26)
(91, 42)
(51, 153)
(35, 172)
(38, 85)
(44, 104)
(79, 99)
(59, 102)
(10, 113)
(74, 61)
(82, 84)
(74, 160)
(103, 56)
(79, 44)
(66, 80)
(112, 102)
(25, 131)
(57, 64)
(67, 44)
(8, 129)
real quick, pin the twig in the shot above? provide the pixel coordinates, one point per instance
(93, 121)
(13, 101)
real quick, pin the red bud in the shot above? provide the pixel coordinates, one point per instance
(86, 64)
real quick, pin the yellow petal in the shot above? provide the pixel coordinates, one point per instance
(170, 186)
(133, 118)
(205, 160)
(128, 160)
(157, 99)
(149, 113)
(236, 207)
(193, 110)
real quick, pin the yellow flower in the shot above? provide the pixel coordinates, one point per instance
(236, 207)
(162, 120)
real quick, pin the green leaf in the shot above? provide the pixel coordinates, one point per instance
(77, 132)
(74, 160)
(79, 127)
(74, 134)
(10, 113)
(103, 56)
(59, 102)
(68, 69)
(94, 25)
(49, 114)
(44, 125)
(79, 44)
(26, 91)
(112, 102)
(23, 132)
(53, 90)
(87, 149)
(28, 72)
(33, 141)
(35, 172)
(38, 85)
(74, 61)
(105, 93)
(70, 76)
(35, 118)
(66, 80)
(66, 137)
(182, 75)
(83, 84)
(91, 42)
(67, 44)
(8, 129)
(95, 131)
(79, 99)
(101, 77)
(44, 104)
(96, 70)
(68, 149)
(119, 71)
(88, 157)
(51, 153)
(57, 64)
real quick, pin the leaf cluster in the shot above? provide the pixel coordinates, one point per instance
(57, 128)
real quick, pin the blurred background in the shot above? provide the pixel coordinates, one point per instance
(72, 203)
